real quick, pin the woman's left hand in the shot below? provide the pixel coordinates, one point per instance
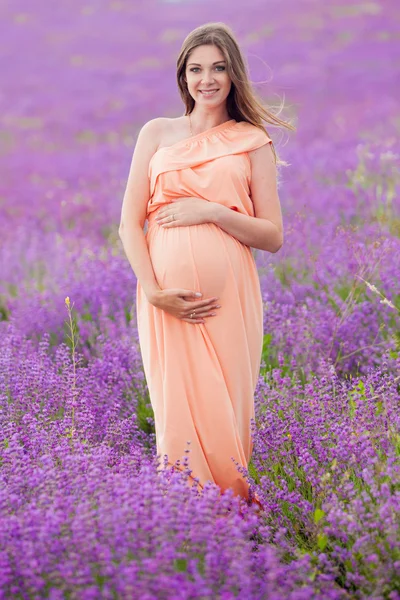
(188, 211)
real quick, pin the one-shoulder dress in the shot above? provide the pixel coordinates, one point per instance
(202, 377)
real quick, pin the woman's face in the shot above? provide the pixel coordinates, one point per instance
(206, 70)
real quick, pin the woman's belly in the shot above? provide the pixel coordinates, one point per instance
(198, 258)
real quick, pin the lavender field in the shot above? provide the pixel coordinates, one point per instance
(85, 511)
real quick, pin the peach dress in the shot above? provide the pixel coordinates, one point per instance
(201, 378)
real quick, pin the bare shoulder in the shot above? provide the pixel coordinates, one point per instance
(154, 125)
(151, 132)
(174, 129)
(162, 131)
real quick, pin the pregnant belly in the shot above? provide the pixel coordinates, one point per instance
(197, 257)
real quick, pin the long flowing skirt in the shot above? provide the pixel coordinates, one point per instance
(202, 377)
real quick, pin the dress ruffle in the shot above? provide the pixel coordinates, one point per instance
(225, 140)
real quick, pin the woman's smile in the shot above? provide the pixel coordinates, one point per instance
(208, 92)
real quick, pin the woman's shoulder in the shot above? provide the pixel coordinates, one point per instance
(154, 131)
(248, 137)
(164, 123)
(167, 130)
(246, 126)
(154, 126)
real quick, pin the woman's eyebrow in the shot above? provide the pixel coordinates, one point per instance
(214, 63)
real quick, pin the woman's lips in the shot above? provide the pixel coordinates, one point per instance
(208, 93)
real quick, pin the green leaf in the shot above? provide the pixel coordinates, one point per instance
(267, 339)
(352, 405)
(318, 515)
(322, 541)
(361, 389)
(180, 564)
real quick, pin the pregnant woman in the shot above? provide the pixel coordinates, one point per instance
(206, 183)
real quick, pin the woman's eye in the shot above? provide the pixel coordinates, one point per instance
(222, 68)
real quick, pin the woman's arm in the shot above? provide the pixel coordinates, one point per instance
(134, 207)
(265, 230)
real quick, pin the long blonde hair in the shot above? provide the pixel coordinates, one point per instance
(242, 102)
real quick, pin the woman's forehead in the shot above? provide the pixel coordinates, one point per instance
(206, 54)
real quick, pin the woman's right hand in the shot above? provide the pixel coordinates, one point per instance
(181, 303)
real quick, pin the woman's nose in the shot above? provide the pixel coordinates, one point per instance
(207, 78)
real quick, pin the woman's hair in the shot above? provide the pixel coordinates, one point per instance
(242, 102)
